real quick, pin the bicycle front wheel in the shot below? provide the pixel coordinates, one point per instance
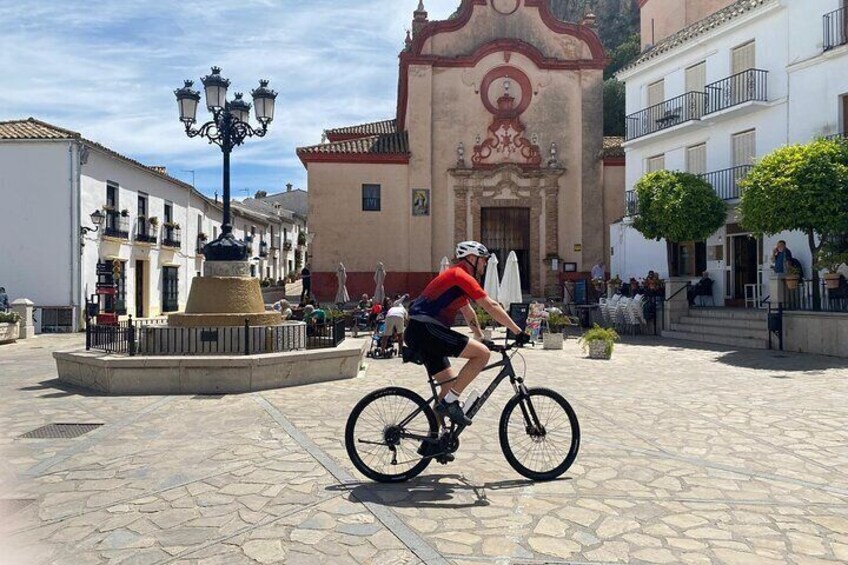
(539, 434)
(384, 432)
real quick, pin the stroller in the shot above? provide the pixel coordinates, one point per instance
(377, 351)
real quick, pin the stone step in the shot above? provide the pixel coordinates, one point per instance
(746, 343)
(729, 313)
(733, 323)
(747, 333)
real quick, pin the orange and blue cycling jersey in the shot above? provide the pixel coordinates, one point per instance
(445, 295)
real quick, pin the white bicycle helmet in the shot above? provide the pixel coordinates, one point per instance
(469, 248)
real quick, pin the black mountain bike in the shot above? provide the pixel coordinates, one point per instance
(390, 428)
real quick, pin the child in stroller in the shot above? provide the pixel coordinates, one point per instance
(380, 348)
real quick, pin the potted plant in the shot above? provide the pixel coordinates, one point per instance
(553, 338)
(108, 208)
(125, 213)
(830, 258)
(599, 342)
(793, 276)
(301, 239)
(154, 221)
(9, 329)
(202, 236)
(486, 322)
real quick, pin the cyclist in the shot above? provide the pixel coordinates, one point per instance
(431, 316)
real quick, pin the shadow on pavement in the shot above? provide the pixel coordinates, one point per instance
(430, 491)
(61, 390)
(781, 361)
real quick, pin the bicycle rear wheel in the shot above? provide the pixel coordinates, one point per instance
(539, 434)
(385, 430)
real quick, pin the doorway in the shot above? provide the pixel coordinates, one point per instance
(508, 229)
(744, 266)
(139, 289)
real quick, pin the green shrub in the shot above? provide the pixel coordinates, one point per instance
(9, 317)
(607, 335)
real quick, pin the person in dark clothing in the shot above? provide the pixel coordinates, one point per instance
(4, 300)
(703, 287)
(782, 257)
(306, 279)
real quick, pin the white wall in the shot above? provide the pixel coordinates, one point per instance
(36, 230)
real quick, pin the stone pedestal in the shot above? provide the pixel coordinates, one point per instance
(677, 307)
(24, 308)
(777, 289)
(225, 296)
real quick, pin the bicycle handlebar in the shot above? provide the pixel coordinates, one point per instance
(504, 348)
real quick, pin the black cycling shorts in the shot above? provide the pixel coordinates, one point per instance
(435, 343)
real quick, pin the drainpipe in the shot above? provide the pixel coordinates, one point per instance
(76, 256)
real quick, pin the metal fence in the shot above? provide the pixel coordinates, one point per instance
(835, 29)
(747, 86)
(725, 182)
(155, 338)
(803, 298)
(677, 110)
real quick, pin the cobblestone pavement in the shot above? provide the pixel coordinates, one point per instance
(689, 455)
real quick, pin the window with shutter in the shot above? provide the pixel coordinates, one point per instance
(696, 159)
(696, 77)
(656, 163)
(744, 148)
(656, 93)
(743, 57)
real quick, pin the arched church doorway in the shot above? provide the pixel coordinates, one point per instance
(508, 229)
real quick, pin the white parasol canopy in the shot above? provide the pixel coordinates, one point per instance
(510, 289)
(491, 284)
(445, 264)
(342, 297)
(379, 280)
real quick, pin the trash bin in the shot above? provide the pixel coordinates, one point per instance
(775, 322)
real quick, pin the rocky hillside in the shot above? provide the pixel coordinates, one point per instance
(617, 19)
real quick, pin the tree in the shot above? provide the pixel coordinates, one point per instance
(614, 107)
(677, 207)
(799, 188)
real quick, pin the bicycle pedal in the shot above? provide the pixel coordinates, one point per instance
(446, 458)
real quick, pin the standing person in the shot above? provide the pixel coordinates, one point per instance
(782, 257)
(396, 318)
(4, 300)
(599, 271)
(306, 279)
(433, 313)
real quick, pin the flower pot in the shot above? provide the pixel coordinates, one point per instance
(8, 332)
(552, 340)
(792, 281)
(831, 280)
(599, 350)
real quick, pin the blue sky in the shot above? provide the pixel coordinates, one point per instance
(108, 69)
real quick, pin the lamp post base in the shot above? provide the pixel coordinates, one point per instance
(226, 248)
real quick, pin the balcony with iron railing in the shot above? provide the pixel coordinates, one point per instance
(263, 248)
(674, 112)
(117, 225)
(144, 232)
(725, 182)
(835, 29)
(172, 236)
(630, 202)
(748, 86)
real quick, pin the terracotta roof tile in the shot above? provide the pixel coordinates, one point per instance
(387, 144)
(715, 20)
(372, 128)
(612, 146)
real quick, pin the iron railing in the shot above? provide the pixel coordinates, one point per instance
(144, 232)
(263, 248)
(326, 335)
(802, 296)
(835, 29)
(748, 86)
(172, 237)
(117, 225)
(118, 339)
(725, 182)
(676, 111)
(631, 203)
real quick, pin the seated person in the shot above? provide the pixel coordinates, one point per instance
(703, 287)
(374, 313)
(282, 306)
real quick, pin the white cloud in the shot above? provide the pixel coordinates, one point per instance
(108, 70)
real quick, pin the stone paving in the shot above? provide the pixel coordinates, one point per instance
(688, 455)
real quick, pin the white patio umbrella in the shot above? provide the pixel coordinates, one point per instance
(379, 280)
(491, 284)
(445, 264)
(342, 297)
(510, 289)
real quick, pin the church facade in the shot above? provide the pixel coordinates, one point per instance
(498, 137)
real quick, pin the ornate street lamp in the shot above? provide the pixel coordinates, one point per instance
(228, 129)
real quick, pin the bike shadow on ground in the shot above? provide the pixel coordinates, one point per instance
(430, 491)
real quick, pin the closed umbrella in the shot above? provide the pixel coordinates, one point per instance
(444, 265)
(491, 284)
(510, 289)
(342, 297)
(379, 280)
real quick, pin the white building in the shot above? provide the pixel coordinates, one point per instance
(713, 97)
(292, 206)
(53, 179)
